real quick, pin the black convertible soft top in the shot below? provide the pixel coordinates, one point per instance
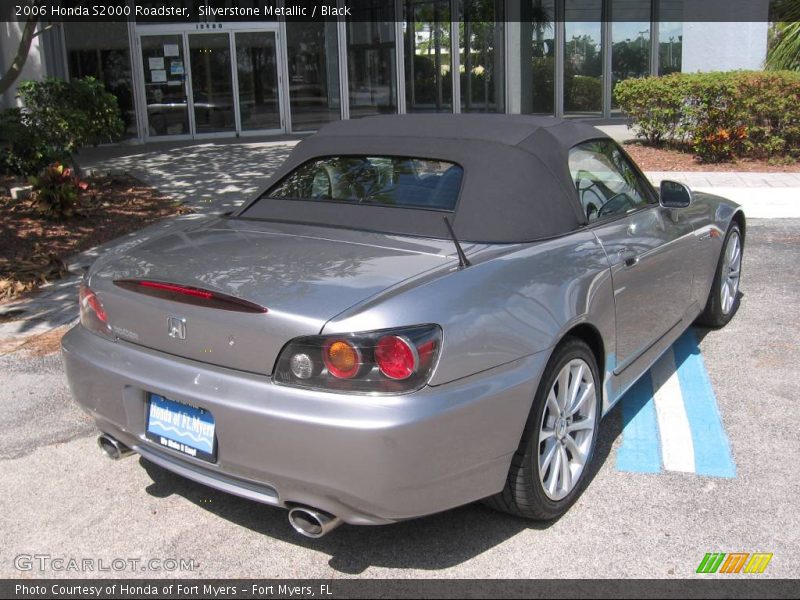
(516, 185)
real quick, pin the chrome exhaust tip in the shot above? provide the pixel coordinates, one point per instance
(113, 448)
(312, 523)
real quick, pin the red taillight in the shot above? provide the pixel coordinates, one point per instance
(89, 300)
(93, 315)
(396, 357)
(386, 361)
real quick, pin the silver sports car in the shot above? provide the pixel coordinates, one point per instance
(418, 312)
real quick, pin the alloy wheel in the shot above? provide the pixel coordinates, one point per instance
(568, 426)
(731, 270)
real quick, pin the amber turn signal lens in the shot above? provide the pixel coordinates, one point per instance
(341, 358)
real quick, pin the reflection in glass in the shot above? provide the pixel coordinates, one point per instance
(630, 41)
(371, 58)
(103, 53)
(403, 182)
(670, 36)
(258, 80)
(428, 64)
(313, 74)
(164, 86)
(538, 56)
(212, 85)
(670, 48)
(583, 58)
(481, 52)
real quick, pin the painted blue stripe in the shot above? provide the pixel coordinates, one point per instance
(640, 451)
(712, 452)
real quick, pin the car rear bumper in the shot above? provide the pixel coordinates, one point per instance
(366, 459)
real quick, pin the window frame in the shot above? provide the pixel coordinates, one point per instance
(650, 193)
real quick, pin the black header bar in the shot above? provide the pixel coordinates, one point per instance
(222, 11)
(733, 587)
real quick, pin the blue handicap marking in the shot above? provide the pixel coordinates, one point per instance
(640, 451)
(712, 452)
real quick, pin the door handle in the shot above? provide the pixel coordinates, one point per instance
(628, 257)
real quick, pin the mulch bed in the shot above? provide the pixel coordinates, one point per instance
(33, 248)
(650, 158)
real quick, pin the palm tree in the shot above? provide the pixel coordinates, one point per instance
(784, 48)
(540, 17)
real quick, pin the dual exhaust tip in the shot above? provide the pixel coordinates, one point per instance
(306, 521)
(312, 523)
(112, 447)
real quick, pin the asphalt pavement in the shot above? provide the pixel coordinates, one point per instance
(64, 500)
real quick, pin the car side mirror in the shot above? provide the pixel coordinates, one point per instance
(675, 194)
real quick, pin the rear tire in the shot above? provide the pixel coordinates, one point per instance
(723, 300)
(548, 470)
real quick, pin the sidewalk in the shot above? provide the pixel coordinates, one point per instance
(762, 195)
(217, 176)
(208, 176)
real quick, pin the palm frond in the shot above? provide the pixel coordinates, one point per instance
(785, 51)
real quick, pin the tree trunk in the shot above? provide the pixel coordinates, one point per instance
(18, 63)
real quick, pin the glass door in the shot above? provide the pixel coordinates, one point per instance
(212, 84)
(313, 71)
(258, 81)
(213, 107)
(165, 85)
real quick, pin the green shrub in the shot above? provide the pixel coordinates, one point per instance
(718, 115)
(73, 114)
(771, 101)
(57, 118)
(24, 150)
(714, 116)
(655, 104)
(583, 93)
(542, 84)
(56, 191)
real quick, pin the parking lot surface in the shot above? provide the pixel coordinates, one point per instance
(651, 509)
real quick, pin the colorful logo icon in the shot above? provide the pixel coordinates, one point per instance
(735, 562)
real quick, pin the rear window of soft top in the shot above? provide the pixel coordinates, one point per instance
(403, 182)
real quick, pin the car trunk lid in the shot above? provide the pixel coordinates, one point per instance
(178, 293)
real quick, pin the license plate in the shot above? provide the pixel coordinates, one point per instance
(181, 427)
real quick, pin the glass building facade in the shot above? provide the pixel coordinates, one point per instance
(205, 78)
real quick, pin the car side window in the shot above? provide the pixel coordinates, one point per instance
(607, 183)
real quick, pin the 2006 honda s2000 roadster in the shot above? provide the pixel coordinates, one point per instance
(418, 312)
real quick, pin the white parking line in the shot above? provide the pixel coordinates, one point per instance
(677, 449)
